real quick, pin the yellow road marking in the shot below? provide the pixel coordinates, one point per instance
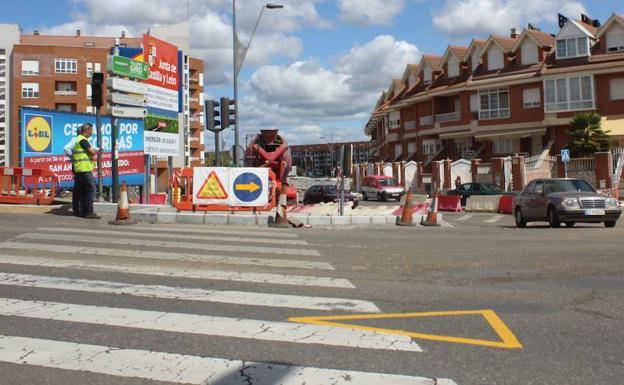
(508, 339)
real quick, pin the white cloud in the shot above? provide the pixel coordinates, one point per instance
(370, 12)
(467, 18)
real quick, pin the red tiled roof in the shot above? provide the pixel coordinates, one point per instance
(434, 61)
(505, 42)
(590, 28)
(460, 52)
(544, 39)
(593, 62)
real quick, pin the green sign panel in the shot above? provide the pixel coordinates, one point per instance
(124, 66)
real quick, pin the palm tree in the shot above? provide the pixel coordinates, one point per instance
(586, 135)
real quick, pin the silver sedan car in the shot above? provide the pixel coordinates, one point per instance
(564, 201)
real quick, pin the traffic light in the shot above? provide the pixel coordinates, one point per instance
(227, 116)
(212, 112)
(96, 89)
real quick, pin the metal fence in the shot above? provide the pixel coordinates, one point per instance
(539, 166)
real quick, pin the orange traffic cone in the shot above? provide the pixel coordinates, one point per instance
(123, 211)
(406, 216)
(432, 216)
(281, 221)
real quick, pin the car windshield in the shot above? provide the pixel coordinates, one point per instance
(490, 187)
(330, 190)
(568, 185)
(386, 182)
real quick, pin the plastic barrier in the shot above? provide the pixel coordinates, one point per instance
(158, 199)
(505, 205)
(484, 203)
(417, 208)
(27, 186)
(449, 203)
(182, 187)
(416, 199)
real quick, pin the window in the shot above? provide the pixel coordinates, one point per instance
(431, 146)
(411, 148)
(572, 47)
(506, 146)
(462, 144)
(410, 81)
(475, 60)
(495, 58)
(474, 103)
(528, 52)
(395, 119)
(30, 67)
(616, 89)
(398, 150)
(90, 110)
(89, 70)
(30, 90)
(615, 38)
(65, 66)
(494, 103)
(427, 74)
(98, 67)
(88, 91)
(531, 97)
(453, 67)
(569, 94)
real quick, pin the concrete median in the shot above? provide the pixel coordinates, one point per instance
(483, 203)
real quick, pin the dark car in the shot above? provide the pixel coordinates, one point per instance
(566, 201)
(324, 194)
(468, 189)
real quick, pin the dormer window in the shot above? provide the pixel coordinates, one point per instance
(411, 80)
(495, 58)
(427, 74)
(529, 52)
(572, 47)
(615, 38)
(453, 67)
(475, 60)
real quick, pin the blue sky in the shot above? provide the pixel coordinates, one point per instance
(316, 67)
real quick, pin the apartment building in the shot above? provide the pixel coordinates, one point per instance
(321, 158)
(9, 36)
(505, 95)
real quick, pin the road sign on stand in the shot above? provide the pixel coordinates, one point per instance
(246, 186)
(565, 155)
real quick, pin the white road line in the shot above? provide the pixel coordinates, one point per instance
(177, 271)
(207, 325)
(464, 217)
(202, 238)
(189, 294)
(185, 369)
(495, 219)
(173, 244)
(187, 229)
(165, 255)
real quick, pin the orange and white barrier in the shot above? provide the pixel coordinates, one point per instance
(27, 186)
(505, 205)
(483, 203)
(449, 203)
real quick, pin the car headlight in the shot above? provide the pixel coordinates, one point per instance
(570, 203)
(612, 203)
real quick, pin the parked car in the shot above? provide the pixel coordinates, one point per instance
(468, 189)
(382, 188)
(326, 193)
(566, 201)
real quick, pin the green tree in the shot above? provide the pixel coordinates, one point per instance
(586, 135)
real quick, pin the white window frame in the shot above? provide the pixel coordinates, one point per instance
(615, 38)
(30, 72)
(616, 89)
(97, 67)
(431, 146)
(65, 66)
(493, 103)
(578, 44)
(427, 74)
(529, 52)
(30, 90)
(474, 102)
(395, 120)
(496, 58)
(506, 146)
(561, 94)
(531, 97)
(89, 70)
(89, 91)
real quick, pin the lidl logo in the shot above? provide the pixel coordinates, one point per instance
(39, 134)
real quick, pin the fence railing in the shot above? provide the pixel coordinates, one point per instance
(448, 117)
(425, 120)
(582, 164)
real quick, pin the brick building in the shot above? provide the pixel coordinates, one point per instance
(504, 95)
(320, 159)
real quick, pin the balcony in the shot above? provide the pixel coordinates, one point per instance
(448, 117)
(65, 93)
(426, 120)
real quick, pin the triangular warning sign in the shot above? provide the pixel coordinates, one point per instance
(508, 340)
(212, 188)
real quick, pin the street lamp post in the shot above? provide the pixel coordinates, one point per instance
(240, 51)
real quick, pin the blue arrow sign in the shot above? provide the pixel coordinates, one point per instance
(247, 187)
(565, 155)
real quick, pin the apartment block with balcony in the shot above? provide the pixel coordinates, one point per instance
(503, 95)
(195, 139)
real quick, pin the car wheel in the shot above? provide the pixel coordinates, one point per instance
(553, 218)
(364, 196)
(570, 224)
(520, 221)
(383, 197)
(609, 224)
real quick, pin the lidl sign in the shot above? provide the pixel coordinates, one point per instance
(123, 66)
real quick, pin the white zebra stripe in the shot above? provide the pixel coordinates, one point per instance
(173, 244)
(189, 294)
(465, 217)
(231, 229)
(186, 369)
(165, 255)
(207, 325)
(177, 271)
(495, 219)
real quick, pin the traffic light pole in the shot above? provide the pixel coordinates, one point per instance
(98, 125)
(114, 158)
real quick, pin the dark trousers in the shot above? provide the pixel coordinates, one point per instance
(84, 191)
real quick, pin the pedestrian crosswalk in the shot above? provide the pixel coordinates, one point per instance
(225, 285)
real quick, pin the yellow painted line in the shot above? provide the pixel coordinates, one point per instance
(508, 339)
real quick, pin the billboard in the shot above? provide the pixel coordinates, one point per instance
(163, 83)
(45, 133)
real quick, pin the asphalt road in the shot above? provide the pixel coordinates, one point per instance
(476, 302)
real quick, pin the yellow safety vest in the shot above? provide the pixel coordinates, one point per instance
(82, 160)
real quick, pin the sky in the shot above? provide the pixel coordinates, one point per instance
(315, 68)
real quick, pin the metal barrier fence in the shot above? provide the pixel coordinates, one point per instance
(27, 186)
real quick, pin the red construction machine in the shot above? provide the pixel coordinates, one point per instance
(270, 149)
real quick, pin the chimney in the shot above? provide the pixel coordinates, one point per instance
(514, 33)
(123, 34)
(36, 32)
(77, 32)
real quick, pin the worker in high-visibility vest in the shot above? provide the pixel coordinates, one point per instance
(83, 163)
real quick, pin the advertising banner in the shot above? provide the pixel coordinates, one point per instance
(163, 83)
(246, 186)
(45, 133)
